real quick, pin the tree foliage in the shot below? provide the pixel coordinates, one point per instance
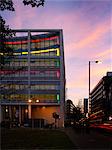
(9, 5)
(5, 33)
(34, 3)
(6, 5)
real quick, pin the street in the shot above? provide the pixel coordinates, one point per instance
(91, 140)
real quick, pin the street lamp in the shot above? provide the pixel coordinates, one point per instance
(98, 62)
(29, 100)
(37, 101)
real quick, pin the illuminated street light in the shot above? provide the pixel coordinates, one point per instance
(6, 110)
(26, 110)
(43, 107)
(98, 62)
(37, 101)
(29, 100)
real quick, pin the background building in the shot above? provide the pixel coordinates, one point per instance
(33, 80)
(72, 113)
(69, 112)
(101, 97)
(85, 106)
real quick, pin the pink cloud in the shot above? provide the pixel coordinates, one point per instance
(93, 36)
(89, 40)
(105, 54)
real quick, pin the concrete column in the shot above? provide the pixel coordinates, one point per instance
(40, 124)
(0, 113)
(29, 68)
(62, 81)
(10, 113)
(20, 114)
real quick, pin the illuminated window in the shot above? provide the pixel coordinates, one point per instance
(44, 97)
(47, 52)
(58, 74)
(42, 68)
(47, 43)
(58, 53)
(58, 97)
(33, 45)
(24, 46)
(44, 87)
(16, 46)
(57, 63)
(44, 62)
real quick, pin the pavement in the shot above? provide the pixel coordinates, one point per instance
(92, 140)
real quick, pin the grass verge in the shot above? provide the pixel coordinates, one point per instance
(27, 138)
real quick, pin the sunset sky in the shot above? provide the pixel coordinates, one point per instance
(87, 31)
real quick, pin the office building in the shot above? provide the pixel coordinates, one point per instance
(33, 79)
(101, 97)
(85, 104)
(69, 112)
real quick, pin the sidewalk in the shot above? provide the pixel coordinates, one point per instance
(92, 140)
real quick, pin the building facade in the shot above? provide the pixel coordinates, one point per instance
(101, 97)
(33, 79)
(69, 112)
(85, 104)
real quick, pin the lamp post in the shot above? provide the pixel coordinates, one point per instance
(89, 101)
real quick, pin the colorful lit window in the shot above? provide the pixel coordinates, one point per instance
(58, 52)
(58, 97)
(57, 63)
(58, 74)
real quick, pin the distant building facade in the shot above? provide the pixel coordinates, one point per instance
(101, 96)
(85, 106)
(69, 112)
(33, 81)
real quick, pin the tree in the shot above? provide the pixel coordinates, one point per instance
(9, 5)
(5, 32)
(34, 3)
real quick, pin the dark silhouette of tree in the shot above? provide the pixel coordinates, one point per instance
(9, 5)
(5, 33)
(34, 3)
(6, 5)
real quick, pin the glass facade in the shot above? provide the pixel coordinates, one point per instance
(29, 65)
(35, 72)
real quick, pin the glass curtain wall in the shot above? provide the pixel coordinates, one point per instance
(44, 69)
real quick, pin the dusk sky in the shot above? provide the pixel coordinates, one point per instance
(87, 31)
